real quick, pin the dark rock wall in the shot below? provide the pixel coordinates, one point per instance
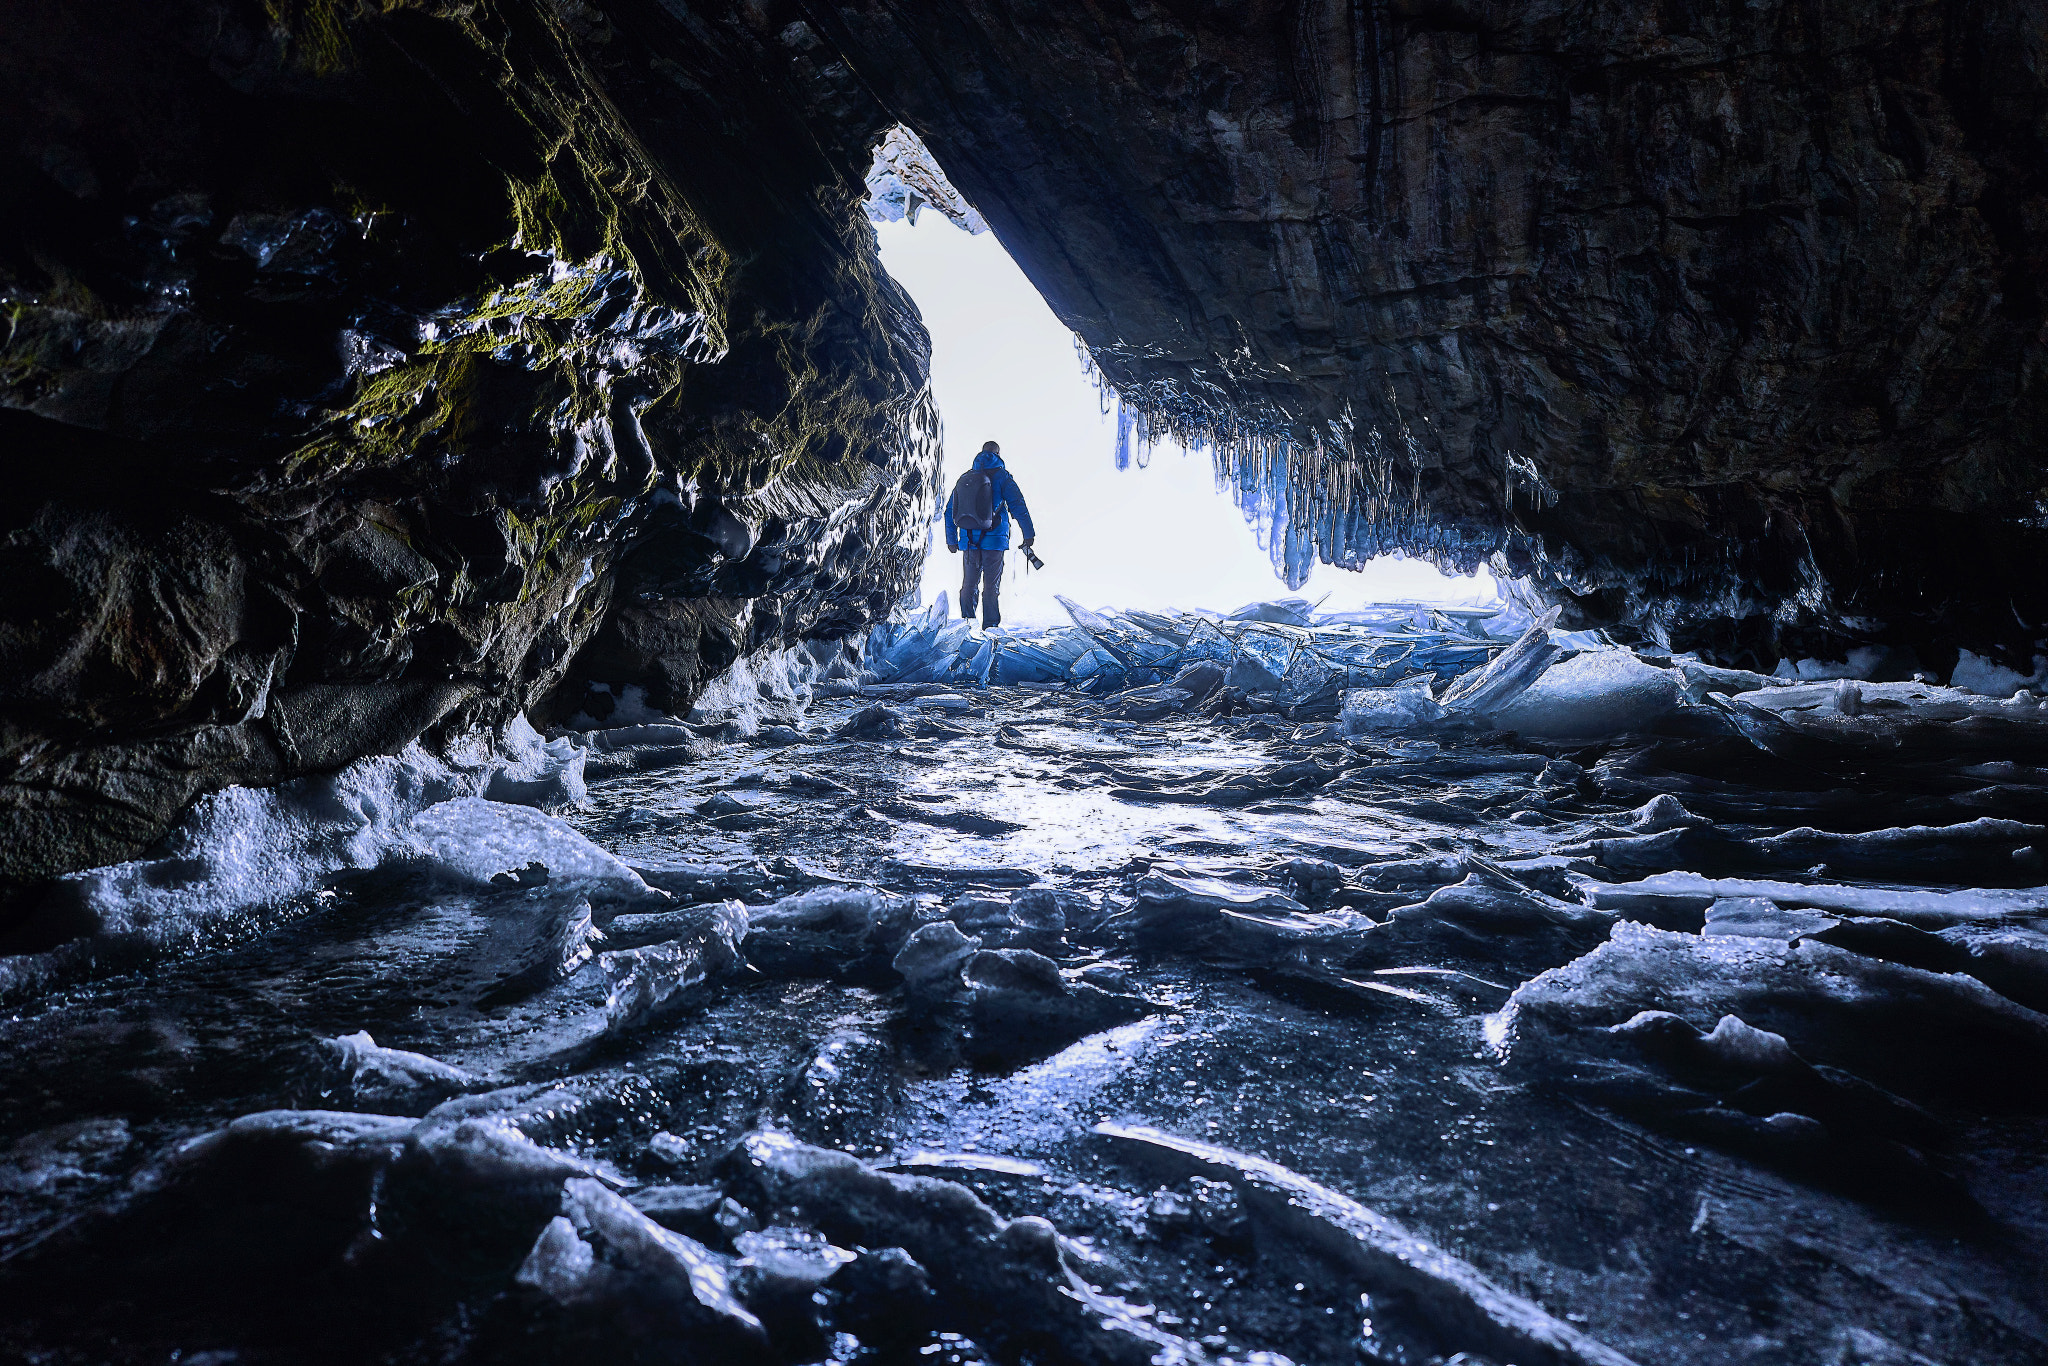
(363, 364)
(373, 370)
(1723, 320)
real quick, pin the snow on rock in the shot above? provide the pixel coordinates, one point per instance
(243, 852)
(472, 841)
(1974, 673)
(530, 771)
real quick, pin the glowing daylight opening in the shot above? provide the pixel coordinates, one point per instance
(1159, 534)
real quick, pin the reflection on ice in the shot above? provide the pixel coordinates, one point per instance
(1620, 975)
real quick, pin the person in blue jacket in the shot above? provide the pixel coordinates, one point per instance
(978, 527)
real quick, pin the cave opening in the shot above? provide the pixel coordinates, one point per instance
(1157, 529)
(504, 861)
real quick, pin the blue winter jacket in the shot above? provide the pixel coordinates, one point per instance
(1008, 498)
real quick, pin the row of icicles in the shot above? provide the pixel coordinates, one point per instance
(1336, 495)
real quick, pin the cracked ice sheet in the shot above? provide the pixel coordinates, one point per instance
(1084, 827)
(1381, 1099)
(1393, 1110)
(1061, 799)
(1088, 830)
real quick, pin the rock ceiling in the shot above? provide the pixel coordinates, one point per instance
(378, 371)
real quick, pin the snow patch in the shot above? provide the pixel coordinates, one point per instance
(471, 840)
(244, 853)
(1974, 673)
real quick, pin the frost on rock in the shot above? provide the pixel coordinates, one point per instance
(243, 852)
(473, 842)
(905, 178)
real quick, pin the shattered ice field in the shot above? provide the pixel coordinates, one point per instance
(1408, 988)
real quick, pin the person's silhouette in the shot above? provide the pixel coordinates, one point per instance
(978, 528)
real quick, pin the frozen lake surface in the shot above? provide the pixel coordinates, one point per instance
(940, 1025)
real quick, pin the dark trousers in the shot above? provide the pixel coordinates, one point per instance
(981, 579)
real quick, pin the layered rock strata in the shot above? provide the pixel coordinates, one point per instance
(375, 371)
(1722, 323)
(366, 365)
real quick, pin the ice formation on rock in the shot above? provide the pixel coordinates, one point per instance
(905, 179)
(800, 1029)
(1286, 650)
(243, 852)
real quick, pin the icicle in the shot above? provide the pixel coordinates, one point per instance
(1326, 490)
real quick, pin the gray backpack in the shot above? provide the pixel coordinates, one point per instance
(974, 501)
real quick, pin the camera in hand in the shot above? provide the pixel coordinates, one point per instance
(1032, 556)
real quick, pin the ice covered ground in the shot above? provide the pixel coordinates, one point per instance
(1413, 989)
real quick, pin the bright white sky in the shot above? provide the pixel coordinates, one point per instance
(1004, 369)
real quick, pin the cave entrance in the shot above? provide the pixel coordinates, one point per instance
(1156, 535)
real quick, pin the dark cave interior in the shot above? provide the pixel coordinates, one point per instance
(493, 867)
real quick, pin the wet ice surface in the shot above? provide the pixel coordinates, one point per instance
(1009, 1029)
